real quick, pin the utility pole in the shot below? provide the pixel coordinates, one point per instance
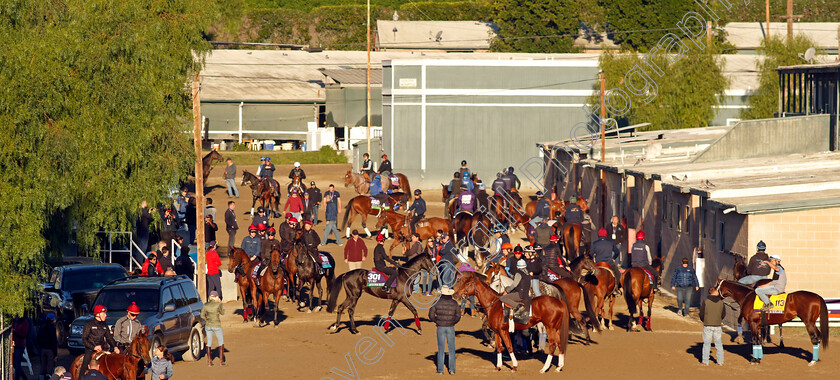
(789, 16)
(767, 20)
(709, 33)
(199, 190)
(603, 151)
(368, 77)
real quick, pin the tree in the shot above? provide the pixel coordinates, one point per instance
(526, 26)
(94, 108)
(777, 52)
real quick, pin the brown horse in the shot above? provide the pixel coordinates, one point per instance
(123, 365)
(572, 233)
(552, 312)
(602, 290)
(555, 209)
(261, 190)
(403, 187)
(739, 270)
(399, 224)
(296, 183)
(507, 210)
(473, 230)
(359, 206)
(272, 282)
(806, 305)
(243, 267)
(637, 288)
(359, 182)
(207, 163)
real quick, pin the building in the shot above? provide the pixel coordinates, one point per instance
(452, 36)
(748, 36)
(811, 89)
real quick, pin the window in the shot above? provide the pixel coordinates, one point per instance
(180, 301)
(167, 299)
(712, 226)
(676, 218)
(703, 217)
(190, 293)
(721, 237)
(118, 299)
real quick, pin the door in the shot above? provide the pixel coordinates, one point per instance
(182, 311)
(170, 324)
(193, 301)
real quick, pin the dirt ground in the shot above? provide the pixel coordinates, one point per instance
(302, 347)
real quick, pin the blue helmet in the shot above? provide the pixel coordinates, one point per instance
(262, 158)
(50, 316)
(466, 174)
(761, 246)
(377, 176)
(267, 159)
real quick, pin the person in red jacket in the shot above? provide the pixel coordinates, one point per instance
(214, 276)
(355, 251)
(294, 205)
(152, 267)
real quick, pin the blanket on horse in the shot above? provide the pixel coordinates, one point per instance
(377, 205)
(395, 180)
(376, 278)
(777, 300)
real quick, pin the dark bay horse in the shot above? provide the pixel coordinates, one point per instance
(272, 282)
(241, 265)
(806, 305)
(309, 275)
(552, 312)
(123, 365)
(355, 284)
(637, 288)
(507, 211)
(207, 163)
(261, 190)
(601, 287)
(472, 230)
(572, 233)
(359, 206)
(399, 224)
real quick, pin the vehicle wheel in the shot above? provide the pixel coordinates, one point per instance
(193, 345)
(61, 332)
(157, 341)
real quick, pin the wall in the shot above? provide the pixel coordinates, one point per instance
(263, 120)
(808, 243)
(348, 106)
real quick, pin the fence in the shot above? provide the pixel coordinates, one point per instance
(833, 314)
(108, 250)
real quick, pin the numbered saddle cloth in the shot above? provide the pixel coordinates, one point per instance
(551, 275)
(325, 261)
(395, 180)
(376, 278)
(650, 275)
(778, 301)
(377, 205)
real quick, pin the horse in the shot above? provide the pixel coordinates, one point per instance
(355, 284)
(637, 288)
(399, 224)
(360, 206)
(207, 163)
(123, 365)
(473, 229)
(556, 206)
(739, 271)
(552, 312)
(308, 274)
(359, 182)
(601, 287)
(261, 190)
(272, 282)
(290, 269)
(806, 305)
(505, 210)
(572, 233)
(403, 187)
(296, 183)
(243, 267)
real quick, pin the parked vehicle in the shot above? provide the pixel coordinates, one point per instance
(169, 306)
(71, 289)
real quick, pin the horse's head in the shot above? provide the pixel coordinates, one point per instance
(216, 156)
(246, 178)
(348, 178)
(275, 261)
(444, 193)
(235, 258)
(421, 261)
(465, 285)
(493, 270)
(656, 263)
(140, 346)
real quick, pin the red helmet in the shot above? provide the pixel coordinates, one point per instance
(307, 222)
(602, 232)
(292, 220)
(554, 238)
(261, 227)
(640, 235)
(98, 309)
(252, 228)
(272, 231)
(288, 215)
(384, 156)
(133, 309)
(507, 246)
(380, 237)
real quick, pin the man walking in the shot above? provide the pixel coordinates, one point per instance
(712, 314)
(683, 281)
(331, 215)
(315, 197)
(230, 179)
(230, 223)
(355, 251)
(445, 314)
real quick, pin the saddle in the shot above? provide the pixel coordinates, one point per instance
(422, 223)
(522, 317)
(376, 278)
(777, 300)
(463, 212)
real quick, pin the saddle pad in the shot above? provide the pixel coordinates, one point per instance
(603, 265)
(376, 204)
(422, 223)
(376, 278)
(395, 180)
(551, 275)
(254, 273)
(650, 275)
(778, 301)
(325, 261)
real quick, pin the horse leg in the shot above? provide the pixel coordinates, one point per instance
(350, 311)
(413, 311)
(509, 345)
(364, 225)
(610, 315)
(499, 347)
(244, 302)
(781, 340)
(320, 295)
(649, 315)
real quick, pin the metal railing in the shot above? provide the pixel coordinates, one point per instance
(110, 250)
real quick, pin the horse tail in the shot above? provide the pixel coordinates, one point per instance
(628, 292)
(823, 323)
(564, 330)
(337, 285)
(590, 311)
(347, 210)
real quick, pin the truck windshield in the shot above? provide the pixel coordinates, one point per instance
(95, 278)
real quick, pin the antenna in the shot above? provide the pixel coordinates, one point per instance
(437, 36)
(809, 55)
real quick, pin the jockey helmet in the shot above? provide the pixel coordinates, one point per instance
(602, 232)
(539, 193)
(385, 156)
(761, 246)
(518, 249)
(252, 228)
(521, 264)
(463, 162)
(573, 199)
(499, 175)
(457, 175)
(380, 237)
(377, 176)
(507, 246)
(261, 227)
(262, 158)
(529, 248)
(288, 215)
(307, 222)
(267, 159)
(271, 231)
(775, 257)
(510, 170)
(312, 183)
(98, 309)
(640, 235)
(292, 220)
(261, 209)
(133, 308)
(417, 192)
(481, 186)
(297, 164)
(466, 175)
(554, 238)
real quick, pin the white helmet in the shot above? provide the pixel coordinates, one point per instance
(297, 164)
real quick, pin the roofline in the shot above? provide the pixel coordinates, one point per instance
(491, 62)
(778, 207)
(301, 101)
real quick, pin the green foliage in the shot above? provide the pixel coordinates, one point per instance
(687, 90)
(811, 10)
(777, 52)
(343, 27)
(287, 26)
(93, 107)
(635, 15)
(547, 26)
(326, 155)
(481, 10)
(238, 147)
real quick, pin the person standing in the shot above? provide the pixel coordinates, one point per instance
(189, 219)
(151, 267)
(331, 215)
(308, 207)
(165, 260)
(212, 313)
(96, 336)
(445, 314)
(294, 205)
(230, 223)
(335, 196)
(464, 268)
(618, 234)
(712, 314)
(47, 341)
(758, 268)
(210, 229)
(355, 251)
(315, 197)
(230, 179)
(183, 263)
(213, 276)
(127, 327)
(162, 363)
(209, 209)
(169, 224)
(684, 282)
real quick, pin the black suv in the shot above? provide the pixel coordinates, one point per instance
(169, 306)
(71, 289)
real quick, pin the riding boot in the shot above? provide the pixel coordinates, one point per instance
(209, 357)
(222, 354)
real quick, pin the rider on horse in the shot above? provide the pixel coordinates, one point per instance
(573, 213)
(542, 211)
(605, 251)
(385, 167)
(367, 167)
(96, 336)
(758, 268)
(267, 174)
(512, 180)
(127, 327)
(465, 200)
(464, 169)
(553, 259)
(640, 258)
(535, 266)
(287, 233)
(262, 165)
(269, 244)
(297, 172)
(776, 286)
(481, 196)
(260, 217)
(261, 228)
(418, 209)
(380, 257)
(513, 258)
(516, 294)
(376, 191)
(312, 240)
(499, 184)
(251, 244)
